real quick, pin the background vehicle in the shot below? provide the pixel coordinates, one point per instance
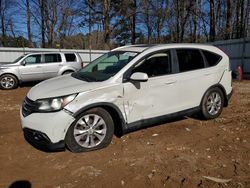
(126, 89)
(38, 66)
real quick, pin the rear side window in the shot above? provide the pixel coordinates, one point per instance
(70, 57)
(212, 58)
(51, 58)
(189, 59)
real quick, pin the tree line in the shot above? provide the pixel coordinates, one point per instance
(104, 24)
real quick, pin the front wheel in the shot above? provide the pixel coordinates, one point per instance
(92, 130)
(8, 81)
(212, 103)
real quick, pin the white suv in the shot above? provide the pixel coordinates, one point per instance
(126, 89)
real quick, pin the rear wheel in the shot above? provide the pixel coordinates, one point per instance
(8, 81)
(68, 72)
(92, 130)
(212, 103)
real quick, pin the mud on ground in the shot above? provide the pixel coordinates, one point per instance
(177, 154)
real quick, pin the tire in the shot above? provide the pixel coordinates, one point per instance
(92, 130)
(8, 81)
(67, 72)
(212, 104)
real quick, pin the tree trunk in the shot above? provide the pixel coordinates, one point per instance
(2, 23)
(134, 22)
(242, 29)
(228, 20)
(177, 21)
(28, 23)
(41, 4)
(238, 19)
(212, 31)
(106, 21)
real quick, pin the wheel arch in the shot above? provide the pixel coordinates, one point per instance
(114, 111)
(223, 91)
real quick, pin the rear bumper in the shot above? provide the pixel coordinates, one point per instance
(41, 141)
(229, 95)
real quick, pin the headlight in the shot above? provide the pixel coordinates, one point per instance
(55, 104)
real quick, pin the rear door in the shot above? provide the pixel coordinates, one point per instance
(193, 77)
(32, 70)
(52, 64)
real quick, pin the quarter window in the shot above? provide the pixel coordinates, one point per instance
(189, 59)
(50, 58)
(156, 65)
(212, 58)
(70, 57)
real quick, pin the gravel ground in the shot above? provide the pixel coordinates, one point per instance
(185, 153)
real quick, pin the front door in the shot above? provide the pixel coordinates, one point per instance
(32, 69)
(157, 96)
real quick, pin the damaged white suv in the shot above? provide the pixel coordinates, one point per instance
(126, 89)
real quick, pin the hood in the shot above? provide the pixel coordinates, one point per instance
(60, 86)
(6, 66)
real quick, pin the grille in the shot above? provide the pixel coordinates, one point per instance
(36, 136)
(29, 107)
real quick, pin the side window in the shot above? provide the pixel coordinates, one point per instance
(155, 65)
(70, 57)
(189, 59)
(52, 58)
(33, 59)
(212, 58)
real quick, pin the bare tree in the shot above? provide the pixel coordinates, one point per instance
(212, 32)
(28, 23)
(228, 20)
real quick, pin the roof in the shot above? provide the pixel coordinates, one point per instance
(143, 47)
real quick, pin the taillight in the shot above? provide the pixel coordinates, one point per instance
(82, 64)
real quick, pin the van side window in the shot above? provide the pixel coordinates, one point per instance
(70, 57)
(189, 59)
(155, 65)
(52, 58)
(212, 58)
(33, 59)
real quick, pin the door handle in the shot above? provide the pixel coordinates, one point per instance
(38, 66)
(208, 74)
(170, 82)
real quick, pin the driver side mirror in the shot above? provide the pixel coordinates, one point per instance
(139, 77)
(23, 63)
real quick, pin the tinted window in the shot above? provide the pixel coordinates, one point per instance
(70, 57)
(189, 59)
(49, 58)
(156, 65)
(33, 59)
(212, 58)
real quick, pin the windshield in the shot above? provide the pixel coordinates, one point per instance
(105, 66)
(15, 61)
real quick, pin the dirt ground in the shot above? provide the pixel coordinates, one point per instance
(178, 154)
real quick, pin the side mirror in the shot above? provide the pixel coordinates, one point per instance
(139, 77)
(23, 63)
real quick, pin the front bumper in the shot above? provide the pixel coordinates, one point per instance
(41, 141)
(46, 131)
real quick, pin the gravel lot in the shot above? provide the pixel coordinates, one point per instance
(177, 154)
